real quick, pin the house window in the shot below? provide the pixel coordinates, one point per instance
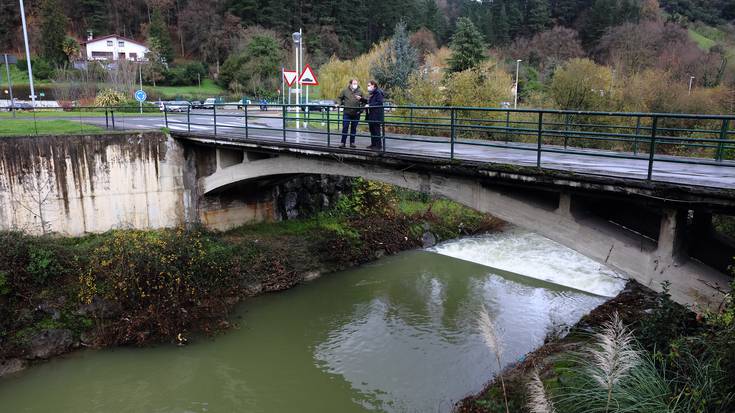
(109, 43)
(133, 55)
(120, 44)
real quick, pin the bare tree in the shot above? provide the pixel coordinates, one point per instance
(38, 187)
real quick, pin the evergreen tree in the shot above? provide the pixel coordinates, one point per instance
(501, 29)
(159, 36)
(433, 19)
(515, 17)
(566, 11)
(399, 61)
(53, 32)
(467, 46)
(93, 15)
(537, 18)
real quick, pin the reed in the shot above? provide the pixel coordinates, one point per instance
(538, 400)
(489, 334)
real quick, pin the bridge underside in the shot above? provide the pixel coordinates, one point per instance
(643, 230)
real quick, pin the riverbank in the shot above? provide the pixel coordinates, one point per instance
(137, 288)
(682, 361)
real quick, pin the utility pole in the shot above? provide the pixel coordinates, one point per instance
(28, 53)
(515, 98)
(297, 52)
(140, 73)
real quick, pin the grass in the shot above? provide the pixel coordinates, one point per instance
(704, 43)
(208, 89)
(27, 127)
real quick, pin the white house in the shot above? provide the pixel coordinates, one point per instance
(114, 47)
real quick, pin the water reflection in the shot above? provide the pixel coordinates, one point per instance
(399, 335)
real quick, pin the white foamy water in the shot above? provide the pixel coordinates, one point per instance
(527, 253)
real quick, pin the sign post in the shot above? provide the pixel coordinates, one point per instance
(307, 79)
(8, 60)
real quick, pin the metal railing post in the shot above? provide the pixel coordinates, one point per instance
(214, 115)
(540, 133)
(721, 144)
(507, 125)
(107, 120)
(283, 117)
(188, 118)
(329, 128)
(410, 121)
(165, 115)
(652, 148)
(637, 131)
(112, 117)
(382, 132)
(247, 135)
(452, 135)
(566, 130)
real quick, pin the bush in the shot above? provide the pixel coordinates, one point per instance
(42, 70)
(110, 97)
(185, 74)
(164, 282)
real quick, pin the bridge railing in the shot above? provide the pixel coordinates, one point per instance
(486, 134)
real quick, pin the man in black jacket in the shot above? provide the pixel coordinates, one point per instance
(375, 115)
(351, 101)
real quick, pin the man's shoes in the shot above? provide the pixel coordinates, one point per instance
(371, 147)
(342, 146)
(353, 146)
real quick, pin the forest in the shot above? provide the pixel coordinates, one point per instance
(241, 44)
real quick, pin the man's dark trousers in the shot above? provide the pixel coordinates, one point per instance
(349, 121)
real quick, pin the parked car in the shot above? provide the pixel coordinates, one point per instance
(177, 106)
(321, 105)
(196, 104)
(209, 103)
(20, 106)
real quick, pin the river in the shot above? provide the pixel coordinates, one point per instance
(403, 334)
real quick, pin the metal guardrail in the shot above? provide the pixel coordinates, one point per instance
(651, 137)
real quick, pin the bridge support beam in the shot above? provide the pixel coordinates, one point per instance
(672, 236)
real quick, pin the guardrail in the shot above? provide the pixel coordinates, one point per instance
(650, 137)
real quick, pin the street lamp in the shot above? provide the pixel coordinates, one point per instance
(515, 102)
(691, 78)
(296, 36)
(28, 53)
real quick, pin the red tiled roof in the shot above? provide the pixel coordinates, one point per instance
(114, 35)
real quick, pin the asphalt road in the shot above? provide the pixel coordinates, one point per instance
(264, 125)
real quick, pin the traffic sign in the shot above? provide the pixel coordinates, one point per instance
(307, 77)
(290, 76)
(140, 95)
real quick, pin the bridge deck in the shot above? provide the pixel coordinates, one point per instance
(587, 161)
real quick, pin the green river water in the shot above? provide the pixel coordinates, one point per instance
(399, 335)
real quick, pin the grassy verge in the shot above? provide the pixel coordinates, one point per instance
(208, 89)
(26, 127)
(139, 287)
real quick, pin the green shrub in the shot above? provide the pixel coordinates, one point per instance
(109, 97)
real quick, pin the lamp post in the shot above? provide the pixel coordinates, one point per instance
(297, 52)
(28, 53)
(515, 98)
(691, 78)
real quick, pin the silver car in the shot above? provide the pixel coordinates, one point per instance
(177, 106)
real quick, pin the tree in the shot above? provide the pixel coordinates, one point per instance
(53, 32)
(581, 85)
(70, 47)
(424, 42)
(252, 69)
(501, 28)
(467, 46)
(537, 18)
(159, 36)
(397, 62)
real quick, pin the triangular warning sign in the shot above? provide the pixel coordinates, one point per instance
(290, 76)
(307, 77)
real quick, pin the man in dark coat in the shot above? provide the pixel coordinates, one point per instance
(352, 101)
(375, 115)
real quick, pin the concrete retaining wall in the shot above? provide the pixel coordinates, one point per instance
(78, 184)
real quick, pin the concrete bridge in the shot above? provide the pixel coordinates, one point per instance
(650, 230)
(644, 213)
